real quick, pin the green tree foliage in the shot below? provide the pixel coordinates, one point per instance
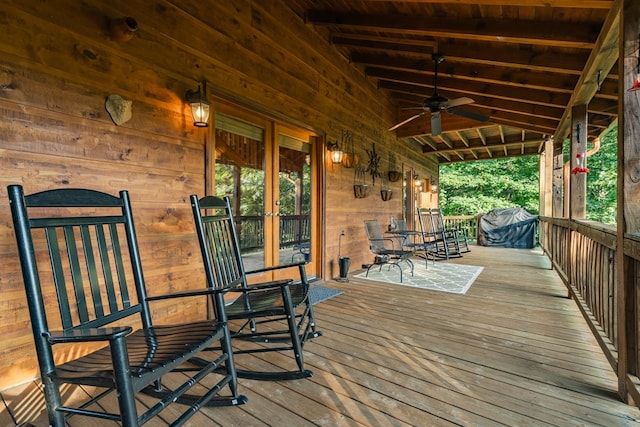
(476, 187)
(601, 180)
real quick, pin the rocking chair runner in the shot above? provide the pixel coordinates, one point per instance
(277, 314)
(82, 275)
(385, 250)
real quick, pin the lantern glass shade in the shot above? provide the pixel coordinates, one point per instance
(200, 106)
(336, 155)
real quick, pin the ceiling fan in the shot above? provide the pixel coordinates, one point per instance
(437, 103)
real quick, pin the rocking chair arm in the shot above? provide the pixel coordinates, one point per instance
(262, 286)
(89, 334)
(208, 291)
(276, 267)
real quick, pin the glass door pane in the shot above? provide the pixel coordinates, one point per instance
(294, 203)
(240, 174)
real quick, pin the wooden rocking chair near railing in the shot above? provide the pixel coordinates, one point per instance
(84, 284)
(385, 250)
(433, 232)
(276, 314)
(458, 236)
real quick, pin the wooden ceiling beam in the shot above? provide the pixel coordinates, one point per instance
(455, 87)
(489, 155)
(476, 72)
(577, 35)
(586, 4)
(477, 145)
(542, 60)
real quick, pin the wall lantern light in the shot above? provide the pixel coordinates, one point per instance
(200, 106)
(434, 186)
(336, 152)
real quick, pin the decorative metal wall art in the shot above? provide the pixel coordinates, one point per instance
(373, 167)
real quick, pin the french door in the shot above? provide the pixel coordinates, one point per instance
(267, 169)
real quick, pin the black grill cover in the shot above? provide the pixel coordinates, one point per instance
(508, 228)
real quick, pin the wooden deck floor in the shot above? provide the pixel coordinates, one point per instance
(513, 351)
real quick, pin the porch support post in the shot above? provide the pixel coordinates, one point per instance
(628, 220)
(546, 179)
(558, 182)
(578, 155)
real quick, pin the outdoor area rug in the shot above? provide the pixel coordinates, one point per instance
(445, 277)
(319, 293)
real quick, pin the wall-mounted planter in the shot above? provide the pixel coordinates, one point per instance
(360, 190)
(394, 176)
(386, 195)
(350, 160)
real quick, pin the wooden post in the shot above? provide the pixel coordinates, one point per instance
(628, 219)
(578, 155)
(558, 182)
(546, 179)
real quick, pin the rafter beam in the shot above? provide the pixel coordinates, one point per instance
(545, 33)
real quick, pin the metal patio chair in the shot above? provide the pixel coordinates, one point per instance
(386, 252)
(413, 241)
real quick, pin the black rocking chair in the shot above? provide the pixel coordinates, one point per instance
(276, 314)
(385, 250)
(85, 289)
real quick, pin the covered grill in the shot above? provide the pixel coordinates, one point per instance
(508, 228)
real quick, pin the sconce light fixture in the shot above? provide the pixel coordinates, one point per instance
(199, 105)
(434, 186)
(336, 152)
(417, 182)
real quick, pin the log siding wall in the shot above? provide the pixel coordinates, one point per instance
(58, 65)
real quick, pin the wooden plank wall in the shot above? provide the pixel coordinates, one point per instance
(58, 65)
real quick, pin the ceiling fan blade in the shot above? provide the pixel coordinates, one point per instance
(406, 121)
(468, 114)
(436, 124)
(459, 101)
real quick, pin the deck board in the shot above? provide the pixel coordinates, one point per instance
(513, 351)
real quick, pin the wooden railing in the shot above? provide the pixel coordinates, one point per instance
(468, 223)
(584, 254)
(294, 231)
